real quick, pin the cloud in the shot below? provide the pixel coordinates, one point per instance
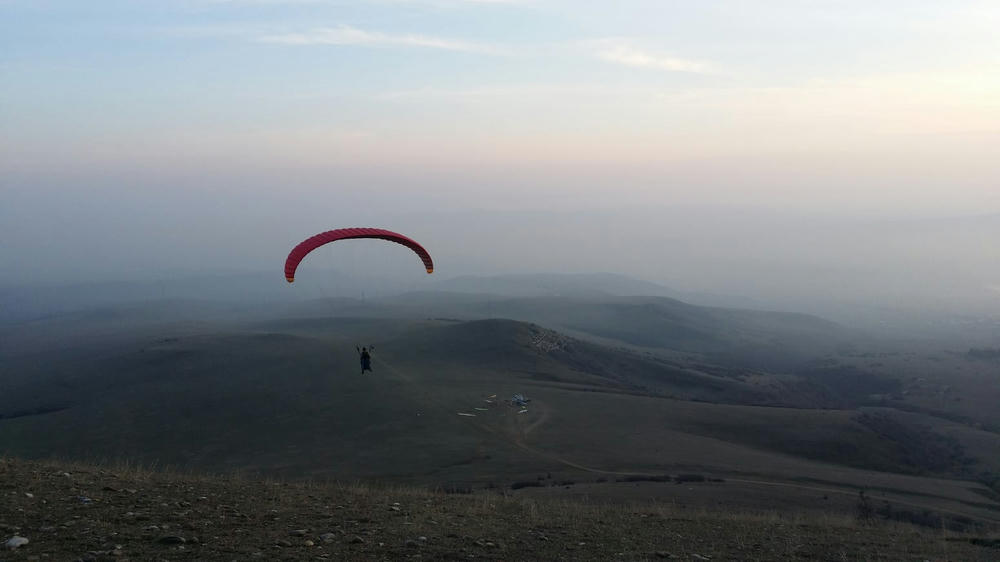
(630, 56)
(540, 91)
(347, 35)
(442, 3)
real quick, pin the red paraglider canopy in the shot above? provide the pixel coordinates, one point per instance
(313, 242)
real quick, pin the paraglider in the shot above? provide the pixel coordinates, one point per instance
(300, 251)
(365, 357)
(313, 242)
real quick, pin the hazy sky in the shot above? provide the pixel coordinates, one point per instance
(177, 134)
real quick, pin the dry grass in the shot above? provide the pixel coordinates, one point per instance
(131, 508)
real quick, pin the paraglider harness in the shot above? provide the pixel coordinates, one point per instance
(366, 358)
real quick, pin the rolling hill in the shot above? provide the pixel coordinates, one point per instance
(283, 397)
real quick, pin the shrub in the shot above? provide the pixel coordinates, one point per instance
(644, 478)
(681, 478)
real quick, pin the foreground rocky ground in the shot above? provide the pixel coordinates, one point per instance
(79, 512)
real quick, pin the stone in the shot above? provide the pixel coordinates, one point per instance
(15, 542)
(171, 539)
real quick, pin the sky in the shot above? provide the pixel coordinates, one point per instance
(147, 137)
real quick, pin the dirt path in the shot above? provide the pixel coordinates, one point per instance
(521, 431)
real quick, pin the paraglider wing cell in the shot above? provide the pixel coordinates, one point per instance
(313, 242)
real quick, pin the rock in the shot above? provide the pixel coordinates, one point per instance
(422, 539)
(15, 542)
(394, 507)
(282, 542)
(356, 540)
(328, 537)
(297, 533)
(410, 543)
(309, 543)
(171, 539)
(29, 495)
(700, 557)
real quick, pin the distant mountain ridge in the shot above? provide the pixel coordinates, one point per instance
(582, 285)
(761, 338)
(555, 285)
(30, 302)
